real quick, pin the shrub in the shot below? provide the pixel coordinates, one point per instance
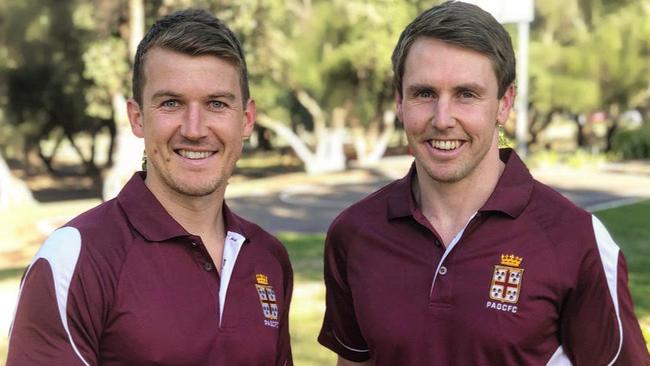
(632, 143)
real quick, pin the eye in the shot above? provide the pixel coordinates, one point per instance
(170, 103)
(425, 93)
(216, 104)
(467, 94)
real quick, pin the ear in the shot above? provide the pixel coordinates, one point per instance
(505, 104)
(250, 112)
(135, 117)
(398, 106)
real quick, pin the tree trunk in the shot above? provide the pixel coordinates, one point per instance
(13, 191)
(329, 155)
(580, 122)
(369, 147)
(128, 149)
(609, 136)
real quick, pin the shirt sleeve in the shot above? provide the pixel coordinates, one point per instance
(285, 357)
(340, 331)
(598, 325)
(58, 316)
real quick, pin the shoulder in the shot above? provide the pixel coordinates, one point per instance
(103, 225)
(100, 237)
(554, 212)
(372, 208)
(260, 237)
(86, 254)
(579, 238)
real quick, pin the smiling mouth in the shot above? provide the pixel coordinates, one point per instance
(446, 145)
(194, 155)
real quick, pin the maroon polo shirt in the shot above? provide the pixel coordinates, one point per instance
(125, 284)
(531, 280)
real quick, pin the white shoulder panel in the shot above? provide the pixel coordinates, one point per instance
(61, 250)
(609, 252)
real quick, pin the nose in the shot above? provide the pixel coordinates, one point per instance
(193, 127)
(442, 113)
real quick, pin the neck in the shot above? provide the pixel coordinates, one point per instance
(199, 215)
(448, 206)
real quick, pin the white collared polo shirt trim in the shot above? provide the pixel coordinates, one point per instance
(448, 250)
(231, 247)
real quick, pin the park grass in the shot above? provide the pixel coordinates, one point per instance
(308, 303)
(628, 225)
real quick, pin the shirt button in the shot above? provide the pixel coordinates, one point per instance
(442, 271)
(208, 266)
(194, 244)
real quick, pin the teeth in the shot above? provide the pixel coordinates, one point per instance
(194, 154)
(445, 144)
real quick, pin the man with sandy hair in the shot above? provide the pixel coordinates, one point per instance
(166, 273)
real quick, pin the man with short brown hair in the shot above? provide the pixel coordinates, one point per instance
(166, 273)
(468, 260)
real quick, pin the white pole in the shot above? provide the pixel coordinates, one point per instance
(521, 132)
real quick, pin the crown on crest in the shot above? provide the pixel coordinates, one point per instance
(511, 260)
(262, 279)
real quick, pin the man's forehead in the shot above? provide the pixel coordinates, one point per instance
(162, 53)
(171, 67)
(427, 55)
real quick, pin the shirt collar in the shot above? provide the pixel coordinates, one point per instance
(514, 187)
(510, 196)
(150, 218)
(401, 202)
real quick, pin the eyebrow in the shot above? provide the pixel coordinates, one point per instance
(471, 86)
(165, 94)
(227, 95)
(415, 87)
(466, 86)
(170, 94)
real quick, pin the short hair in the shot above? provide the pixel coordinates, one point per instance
(463, 25)
(192, 32)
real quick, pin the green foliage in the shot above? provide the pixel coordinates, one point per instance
(633, 143)
(342, 54)
(589, 56)
(336, 51)
(504, 140)
(106, 64)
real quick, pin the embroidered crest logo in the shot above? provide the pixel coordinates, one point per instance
(506, 280)
(267, 299)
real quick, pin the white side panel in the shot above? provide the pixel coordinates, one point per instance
(609, 253)
(559, 358)
(61, 250)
